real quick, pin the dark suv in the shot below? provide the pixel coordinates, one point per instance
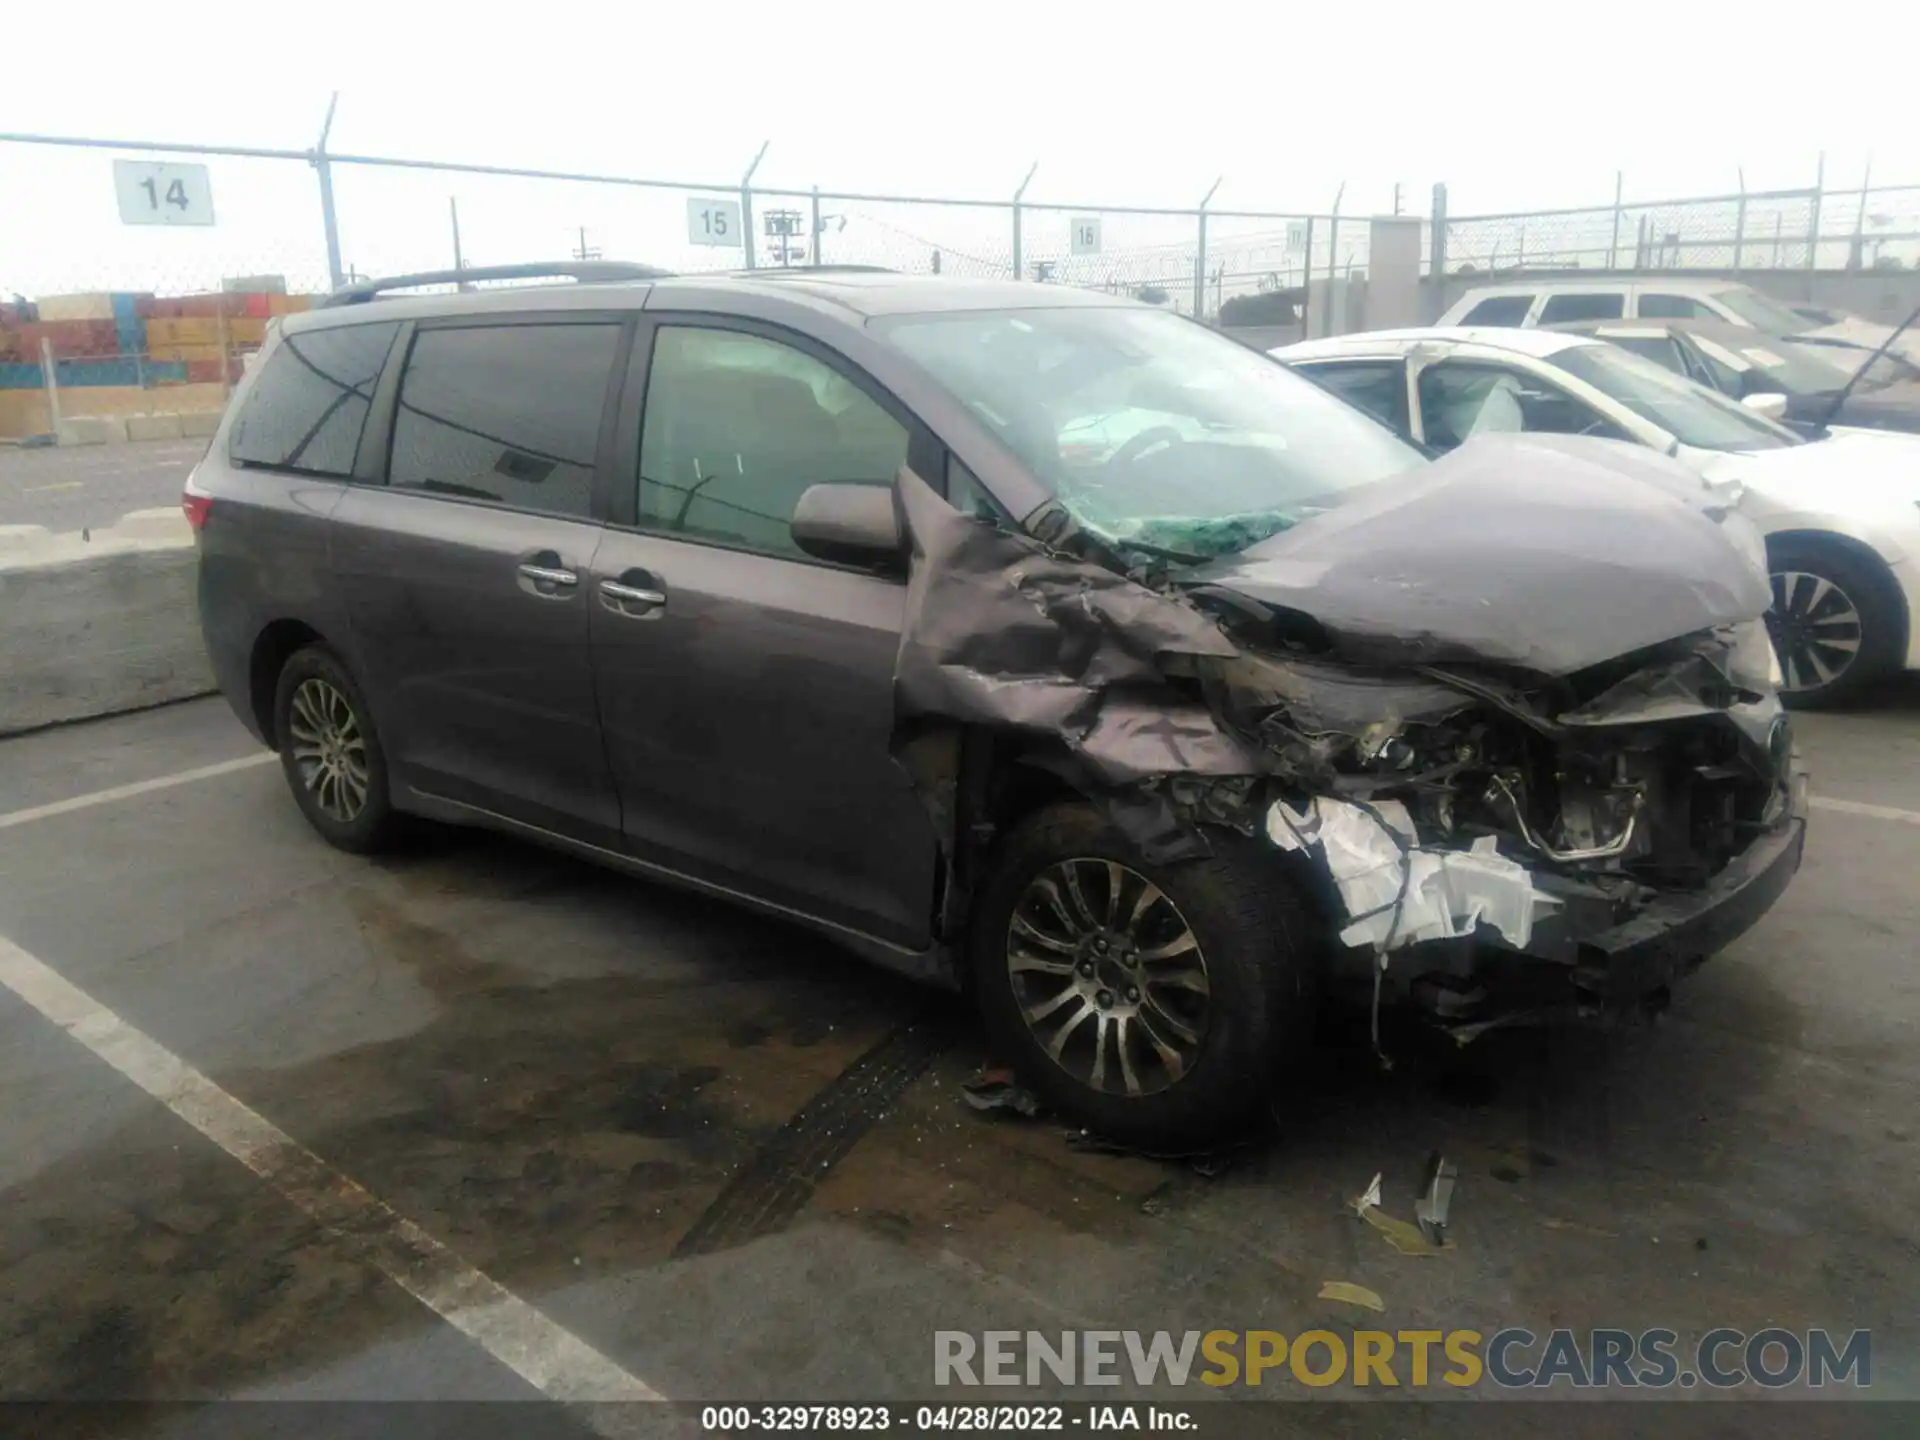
(1025, 639)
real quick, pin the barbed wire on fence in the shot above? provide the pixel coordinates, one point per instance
(373, 215)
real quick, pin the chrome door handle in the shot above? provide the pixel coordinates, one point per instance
(548, 575)
(632, 594)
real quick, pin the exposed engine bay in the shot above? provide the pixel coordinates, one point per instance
(1555, 731)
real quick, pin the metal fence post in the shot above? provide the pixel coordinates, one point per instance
(50, 377)
(1333, 256)
(1740, 224)
(819, 231)
(1019, 271)
(330, 222)
(1813, 225)
(1200, 256)
(1306, 284)
(746, 205)
(1613, 249)
(1437, 238)
(1857, 251)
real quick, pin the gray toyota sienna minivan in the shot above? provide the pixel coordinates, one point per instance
(1030, 641)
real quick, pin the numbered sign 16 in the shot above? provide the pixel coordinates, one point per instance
(1086, 235)
(154, 194)
(713, 222)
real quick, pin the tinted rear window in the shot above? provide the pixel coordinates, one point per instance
(1499, 310)
(307, 407)
(508, 413)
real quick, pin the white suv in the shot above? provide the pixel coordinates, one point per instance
(1555, 302)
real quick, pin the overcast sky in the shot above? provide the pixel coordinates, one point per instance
(1514, 106)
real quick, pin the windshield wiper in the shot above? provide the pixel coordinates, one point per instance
(1840, 400)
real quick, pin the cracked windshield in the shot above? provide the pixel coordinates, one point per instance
(1156, 434)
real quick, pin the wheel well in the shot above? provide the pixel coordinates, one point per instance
(1859, 553)
(271, 651)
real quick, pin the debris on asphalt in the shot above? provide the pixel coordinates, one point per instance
(1405, 1238)
(1207, 1164)
(1353, 1295)
(1436, 1195)
(997, 1092)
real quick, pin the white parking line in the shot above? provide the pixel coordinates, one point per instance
(127, 792)
(549, 1357)
(1872, 812)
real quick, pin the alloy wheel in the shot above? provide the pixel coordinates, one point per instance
(329, 748)
(1815, 627)
(1108, 976)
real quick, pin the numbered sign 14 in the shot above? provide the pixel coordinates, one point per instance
(713, 222)
(155, 194)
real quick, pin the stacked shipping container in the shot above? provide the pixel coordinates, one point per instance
(127, 354)
(136, 339)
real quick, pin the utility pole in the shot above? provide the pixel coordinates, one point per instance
(583, 253)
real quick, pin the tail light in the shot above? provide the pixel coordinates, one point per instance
(196, 503)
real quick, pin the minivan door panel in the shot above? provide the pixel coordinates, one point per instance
(480, 671)
(747, 721)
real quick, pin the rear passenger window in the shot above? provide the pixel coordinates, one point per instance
(308, 405)
(1499, 310)
(1592, 306)
(738, 427)
(1674, 307)
(508, 413)
(1378, 389)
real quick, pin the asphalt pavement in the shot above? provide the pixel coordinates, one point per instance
(277, 1114)
(91, 486)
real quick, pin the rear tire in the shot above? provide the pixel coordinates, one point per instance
(1824, 601)
(1160, 1009)
(330, 753)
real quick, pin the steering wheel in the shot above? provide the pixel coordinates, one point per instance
(1138, 445)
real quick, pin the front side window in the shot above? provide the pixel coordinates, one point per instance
(1459, 400)
(307, 407)
(1377, 387)
(507, 413)
(1583, 305)
(1760, 311)
(1152, 431)
(1505, 310)
(1691, 413)
(738, 427)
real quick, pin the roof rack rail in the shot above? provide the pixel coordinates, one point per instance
(586, 272)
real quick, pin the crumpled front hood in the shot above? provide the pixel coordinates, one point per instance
(1544, 552)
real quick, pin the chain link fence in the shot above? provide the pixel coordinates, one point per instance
(298, 222)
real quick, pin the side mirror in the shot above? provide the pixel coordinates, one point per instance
(1771, 404)
(848, 524)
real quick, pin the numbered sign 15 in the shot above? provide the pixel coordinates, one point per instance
(154, 194)
(1086, 235)
(713, 222)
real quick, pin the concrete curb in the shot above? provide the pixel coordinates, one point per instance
(120, 430)
(99, 625)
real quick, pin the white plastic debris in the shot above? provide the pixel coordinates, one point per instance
(1398, 893)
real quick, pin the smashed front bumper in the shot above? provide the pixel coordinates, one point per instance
(1477, 918)
(1669, 936)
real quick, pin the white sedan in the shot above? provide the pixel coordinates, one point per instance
(1841, 514)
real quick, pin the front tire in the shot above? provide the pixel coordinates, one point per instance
(331, 753)
(1149, 1002)
(1835, 623)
